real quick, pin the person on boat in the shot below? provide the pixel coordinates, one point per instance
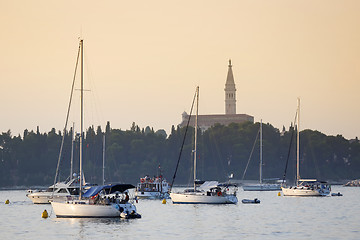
(126, 197)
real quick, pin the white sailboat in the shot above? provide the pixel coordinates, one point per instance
(98, 201)
(215, 195)
(262, 186)
(304, 187)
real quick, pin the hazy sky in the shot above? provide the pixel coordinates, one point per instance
(144, 59)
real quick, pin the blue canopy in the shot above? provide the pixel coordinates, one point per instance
(108, 189)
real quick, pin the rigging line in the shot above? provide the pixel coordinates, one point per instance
(288, 155)
(96, 113)
(191, 172)
(317, 171)
(287, 159)
(252, 150)
(218, 155)
(66, 121)
(183, 142)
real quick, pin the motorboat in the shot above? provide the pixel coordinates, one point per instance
(106, 201)
(262, 187)
(304, 187)
(152, 188)
(58, 192)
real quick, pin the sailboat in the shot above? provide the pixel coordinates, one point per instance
(99, 201)
(304, 187)
(262, 186)
(215, 195)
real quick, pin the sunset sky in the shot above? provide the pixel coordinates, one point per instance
(143, 60)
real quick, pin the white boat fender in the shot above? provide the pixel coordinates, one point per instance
(123, 215)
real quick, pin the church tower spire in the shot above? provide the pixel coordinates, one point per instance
(230, 92)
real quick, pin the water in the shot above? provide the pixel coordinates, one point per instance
(274, 218)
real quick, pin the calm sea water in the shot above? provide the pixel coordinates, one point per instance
(275, 218)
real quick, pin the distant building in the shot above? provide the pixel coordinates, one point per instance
(230, 116)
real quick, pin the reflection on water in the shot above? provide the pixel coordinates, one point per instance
(275, 218)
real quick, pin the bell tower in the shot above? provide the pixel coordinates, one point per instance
(230, 92)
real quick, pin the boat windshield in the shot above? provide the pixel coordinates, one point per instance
(191, 190)
(148, 187)
(74, 191)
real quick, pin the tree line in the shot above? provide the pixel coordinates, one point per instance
(31, 159)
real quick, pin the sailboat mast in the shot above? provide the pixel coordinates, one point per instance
(81, 115)
(261, 163)
(103, 168)
(195, 140)
(298, 144)
(72, 151)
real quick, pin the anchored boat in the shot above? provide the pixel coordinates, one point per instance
(152, 188)
(304, 187)
(215, 195)
(58, 192)
(99, 201)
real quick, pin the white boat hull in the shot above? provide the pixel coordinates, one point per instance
(46, 197)
(262, 187)
(202, 198)
(147, 194)
(304, 192)
(82, 209)
(151, 195)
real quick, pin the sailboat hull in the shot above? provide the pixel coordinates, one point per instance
(305, 192)
(262, 187)
(81, 209)
(200, 198)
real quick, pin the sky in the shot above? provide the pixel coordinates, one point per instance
(144, 59)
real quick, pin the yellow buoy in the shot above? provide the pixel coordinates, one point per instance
(279, 194)
(164, 201)
(7, 201)
(44, 214)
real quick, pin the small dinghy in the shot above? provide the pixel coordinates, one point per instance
(336, 194)
(255, 200)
